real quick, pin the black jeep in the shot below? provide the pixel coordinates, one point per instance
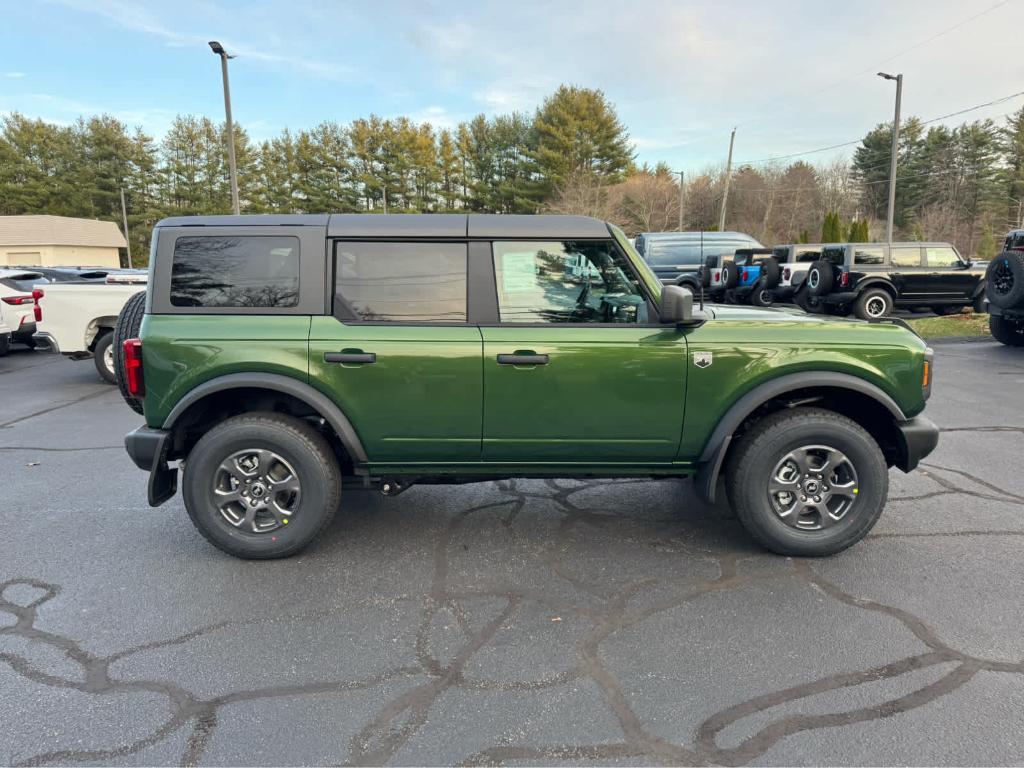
(1004, 289)
(872, 279)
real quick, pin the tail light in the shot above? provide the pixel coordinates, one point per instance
(743, 277)
(786, 273)
(844, 279)
(717, 275)
(18, 301)
(37, 294)
(135, 383)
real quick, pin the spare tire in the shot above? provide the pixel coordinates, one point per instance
(819, 278)
(1004, 280)
(705, 276)
(128, 324)
(770, 272)
(730, 274)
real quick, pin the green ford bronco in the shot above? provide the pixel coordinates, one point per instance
(277, 359)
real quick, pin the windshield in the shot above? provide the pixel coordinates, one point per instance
(646, 274)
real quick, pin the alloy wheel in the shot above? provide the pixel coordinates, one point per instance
(813, 487)
(256, 490)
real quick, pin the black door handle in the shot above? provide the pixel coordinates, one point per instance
(522, 359)
(350, 357)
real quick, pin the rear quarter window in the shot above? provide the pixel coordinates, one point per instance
(235, 271)
(868, 255)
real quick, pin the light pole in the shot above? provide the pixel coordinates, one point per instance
(218, 49)
(682, 199)
(895, 149)
(728, 178)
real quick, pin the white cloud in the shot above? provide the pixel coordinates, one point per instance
(135, 18)
(14, 75)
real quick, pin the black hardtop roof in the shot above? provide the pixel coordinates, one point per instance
(484, 225)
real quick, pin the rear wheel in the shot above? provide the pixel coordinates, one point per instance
(873, 304)
(262, 485)
(1008, 332)
(103, 357)
(761, 296)
(5, 343)
(807, 482)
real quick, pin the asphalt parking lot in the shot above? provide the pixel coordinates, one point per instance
(503, 623)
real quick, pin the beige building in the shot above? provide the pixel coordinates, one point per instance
(59, 241)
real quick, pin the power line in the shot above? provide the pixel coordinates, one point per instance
(858, 141)
(873, 67)
(899, 178)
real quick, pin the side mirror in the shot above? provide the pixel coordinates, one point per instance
(676, 305)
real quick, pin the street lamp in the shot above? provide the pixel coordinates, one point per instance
(895, 147)
(218, 49)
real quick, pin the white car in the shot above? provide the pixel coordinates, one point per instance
(78, 319)
(795, 260)
(5, 334)
(19, 291)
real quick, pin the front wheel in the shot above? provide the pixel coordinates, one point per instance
(807, 482)
(761, 296)
(103, 357)
(1008, 332)
(261, 485)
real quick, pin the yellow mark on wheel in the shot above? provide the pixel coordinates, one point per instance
(286, 521)
(855, 491)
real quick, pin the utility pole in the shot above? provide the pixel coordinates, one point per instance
(682, 196)
(124, 218)
(385, 199)
(728, 178)
(895, 150)
(219, 50)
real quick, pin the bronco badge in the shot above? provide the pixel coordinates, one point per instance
(702, 359)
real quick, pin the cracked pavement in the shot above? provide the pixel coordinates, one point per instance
(522, 622)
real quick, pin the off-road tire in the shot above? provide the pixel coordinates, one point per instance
(770, 272)
(766, 443)
(5, 344)
(1004, 280)
(99, 358)
(1005, 331)
(128, 324)
(295, 441)
(730, 274)
(822, 283)
(762, 295)
(871, 298)
(705, 276)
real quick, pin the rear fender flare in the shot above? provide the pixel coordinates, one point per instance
(300, 390)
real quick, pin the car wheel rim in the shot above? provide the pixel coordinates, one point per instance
(255, 490)
(876, 306)
(813, 487)
(1002, 279)
(812, 280)
(108, 359)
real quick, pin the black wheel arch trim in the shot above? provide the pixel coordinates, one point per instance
(877, 282)
(710, 462)
(300, 390)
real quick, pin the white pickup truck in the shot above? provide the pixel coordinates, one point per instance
(78, 321)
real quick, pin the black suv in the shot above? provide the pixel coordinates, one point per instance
(1005, 291)
(871, 279)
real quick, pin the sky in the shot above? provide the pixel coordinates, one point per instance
(790, 76)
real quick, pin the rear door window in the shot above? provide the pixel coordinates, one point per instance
(229, 271)
(906, 256)
(400, 282)
(942, 256)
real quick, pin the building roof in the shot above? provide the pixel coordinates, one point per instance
(426, 225)
(59, 230)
